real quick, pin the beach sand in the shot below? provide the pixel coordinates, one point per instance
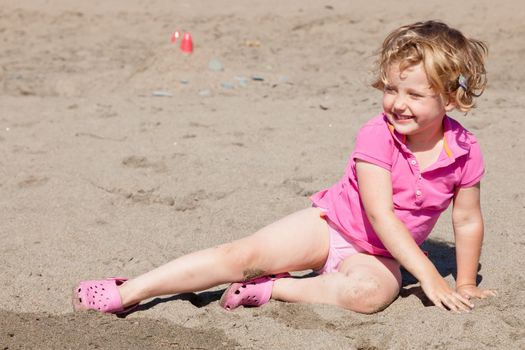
(100, 176)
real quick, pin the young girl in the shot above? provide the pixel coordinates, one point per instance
(408, 164)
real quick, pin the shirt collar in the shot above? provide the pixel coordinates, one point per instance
(455, 139)
(401, 139)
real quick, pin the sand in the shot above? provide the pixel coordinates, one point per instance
(99, 177)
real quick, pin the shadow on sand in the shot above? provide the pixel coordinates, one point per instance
(443, 256)
(196, 299)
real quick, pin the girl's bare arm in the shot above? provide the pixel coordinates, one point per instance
(375, 188)
(468, 231)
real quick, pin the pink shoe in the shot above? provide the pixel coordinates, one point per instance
(255, 292)
(101, 295)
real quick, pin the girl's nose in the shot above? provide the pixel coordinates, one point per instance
(399, 103)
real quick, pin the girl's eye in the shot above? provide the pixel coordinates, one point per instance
(389, 89)
(414, 95)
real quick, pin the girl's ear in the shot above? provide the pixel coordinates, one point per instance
(450, 103)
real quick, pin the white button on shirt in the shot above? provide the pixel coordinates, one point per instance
(418, 193)
(413, 162)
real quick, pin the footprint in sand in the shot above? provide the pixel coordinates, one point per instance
(33, 181)
(299, 185)
(137, 162)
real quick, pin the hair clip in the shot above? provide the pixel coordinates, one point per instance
(462, 81)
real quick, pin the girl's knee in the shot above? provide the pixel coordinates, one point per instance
(377, 302)
(366, 293)
(239, 256)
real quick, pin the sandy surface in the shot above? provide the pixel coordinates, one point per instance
(99, 177)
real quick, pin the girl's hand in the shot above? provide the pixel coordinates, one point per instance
(472, 291)
(444, 297)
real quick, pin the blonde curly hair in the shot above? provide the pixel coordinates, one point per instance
(454, 64)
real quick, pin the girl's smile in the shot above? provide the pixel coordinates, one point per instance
(402, 118)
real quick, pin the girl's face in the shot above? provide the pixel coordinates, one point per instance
(412, 106)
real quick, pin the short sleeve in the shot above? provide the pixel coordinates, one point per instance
(474, 167)
(374, 144)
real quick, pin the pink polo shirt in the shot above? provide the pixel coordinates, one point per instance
(419, 197)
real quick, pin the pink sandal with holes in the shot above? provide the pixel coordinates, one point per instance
(255, 292)
(100, 295)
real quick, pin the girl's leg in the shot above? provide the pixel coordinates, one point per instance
(363, 283)
(297, 242)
